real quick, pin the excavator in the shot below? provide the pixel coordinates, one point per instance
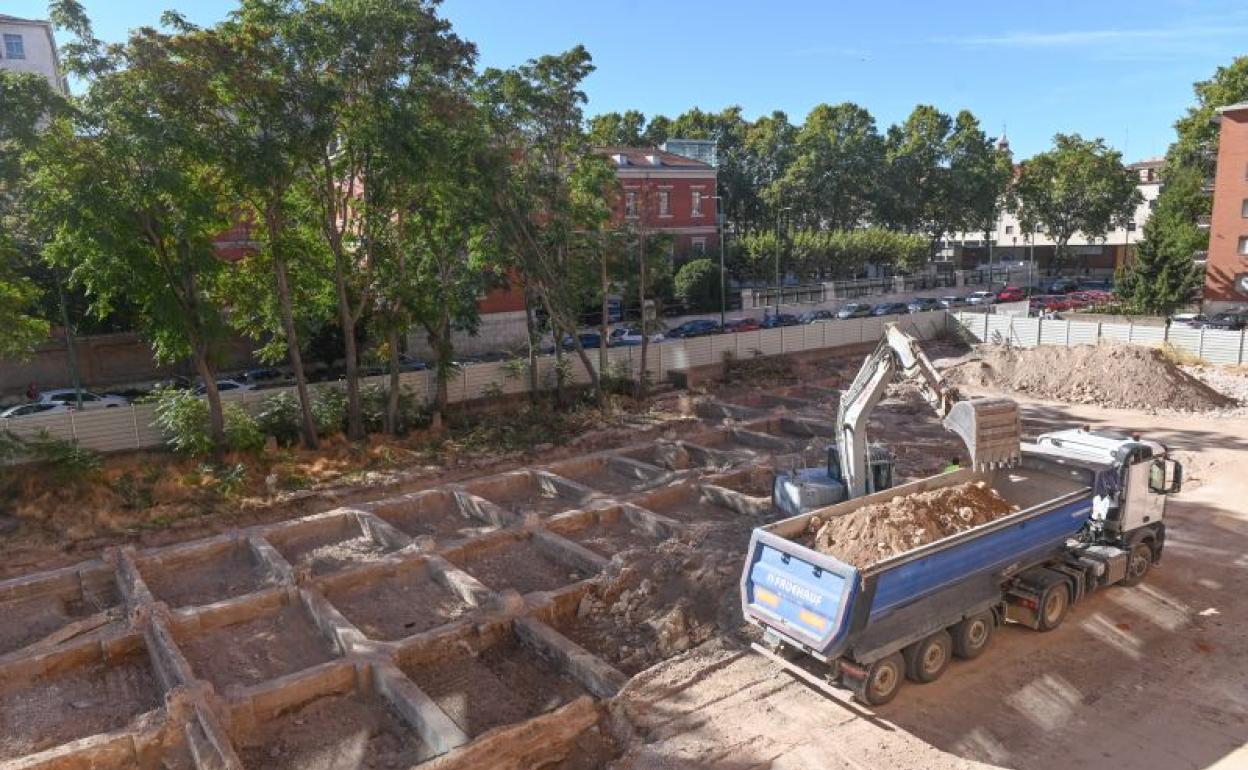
(989, 427)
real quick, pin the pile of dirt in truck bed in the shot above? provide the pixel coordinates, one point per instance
(881, 530)
(1124, 376)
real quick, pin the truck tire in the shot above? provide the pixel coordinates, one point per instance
(1139, 561)
(971, 636)
(928, 658)
(1052, 607)
(882, 682)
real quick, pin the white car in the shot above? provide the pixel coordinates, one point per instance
(629, 336)
(224, 386)
(33, 408)
(981, 298)
(68, 397)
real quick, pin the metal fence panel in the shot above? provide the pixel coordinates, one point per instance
(1116, 333)
(1152, 336)
(770, 341)
(1221, 347)
(1054, 332)
(1025, 331)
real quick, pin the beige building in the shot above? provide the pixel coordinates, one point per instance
(28, 45)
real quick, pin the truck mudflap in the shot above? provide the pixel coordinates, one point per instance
(804, 596)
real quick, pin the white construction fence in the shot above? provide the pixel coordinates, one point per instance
(1212, 346)
(131, 427)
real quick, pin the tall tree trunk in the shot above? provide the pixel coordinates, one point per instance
(645, 331)
(355, 420)
(604, 328)
(444, 361)
(392, 397)
(292, 345)
(534, 342)
(216, 414)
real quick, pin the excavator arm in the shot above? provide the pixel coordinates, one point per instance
(990, 427)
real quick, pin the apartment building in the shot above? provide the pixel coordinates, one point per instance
(28, 45)
(1226, 271)
(663, 192)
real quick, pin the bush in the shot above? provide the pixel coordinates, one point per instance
(279, 416)
(373, 401)
(698, 284)
(329, 410)
(241, 431)
(182, 418)
(67, 460)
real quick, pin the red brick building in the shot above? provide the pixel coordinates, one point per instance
(667, 193)
(1226, 273)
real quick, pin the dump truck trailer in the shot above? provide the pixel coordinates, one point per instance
(1091, 514)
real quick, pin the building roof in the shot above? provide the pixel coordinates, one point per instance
(1232, 108)
(650, 157)
(20, 20)
(1148, 163)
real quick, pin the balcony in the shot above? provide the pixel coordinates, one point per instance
(1207, 187)
(1203, 221)
(1200, 256)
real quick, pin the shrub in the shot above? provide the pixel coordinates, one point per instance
(329, 410)
(279, 416)
(697, 285)
(241, 431)
(182, 418)
(373, 401)
(67, 460)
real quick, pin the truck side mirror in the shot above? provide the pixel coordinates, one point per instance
(1165, 477)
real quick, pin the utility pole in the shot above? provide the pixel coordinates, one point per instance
(70, 351)
(721, 219)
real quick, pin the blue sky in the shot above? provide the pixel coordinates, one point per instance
(1111, 68)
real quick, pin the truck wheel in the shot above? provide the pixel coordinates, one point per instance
(1139, 561)
(882, 682)
(928, 658)
(1052, 608)
(970, 637)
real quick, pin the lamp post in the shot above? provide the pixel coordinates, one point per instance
(779, 287)
(721, 219)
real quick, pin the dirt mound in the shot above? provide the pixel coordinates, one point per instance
(881, 530)
(663, 601)
(1124, 376)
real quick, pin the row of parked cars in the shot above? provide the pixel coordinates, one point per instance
(1233, 320)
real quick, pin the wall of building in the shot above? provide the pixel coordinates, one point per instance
(39, 49)
(1228, 224)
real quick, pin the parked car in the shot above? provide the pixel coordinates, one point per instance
(741, 325)
(890, 308)
(1011, 294)
(410, 364)
(224, 386)
(695, 328)
(854, 310)
(780, 319)
(1061, 286)
(1189, 320)
(628, 336)
(589, 340)
(34, 407)
(1229, 321)
(811, 316)
(265, 377)
(981, 298)
(952, 301)
(68, 397)
(923, 304)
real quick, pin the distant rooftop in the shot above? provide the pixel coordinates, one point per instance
(20, 20)
(650, 157)
(705, 150)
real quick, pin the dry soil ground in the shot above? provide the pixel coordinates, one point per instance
(1151, 678)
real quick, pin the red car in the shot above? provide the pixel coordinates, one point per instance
(741, 325)
(1011, 294)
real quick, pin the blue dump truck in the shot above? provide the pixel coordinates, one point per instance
(1091, 513)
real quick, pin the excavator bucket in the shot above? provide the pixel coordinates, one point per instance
(990, 428)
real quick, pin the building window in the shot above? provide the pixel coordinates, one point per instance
(630, 204)
(697, 203)
(1243, 209)
(1152, 205)
(1009, 229)
(1130, 227)
(699, 246)
(665, 203)
(1243, 245)
(13, 48)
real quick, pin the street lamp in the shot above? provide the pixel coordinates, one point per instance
(721, 219)
(779, 287)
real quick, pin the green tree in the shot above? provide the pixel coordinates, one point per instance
(615, 128)
(697, 285)
(833, 178)
(28, 100)
(916, 194)
(1079, 186)
(979, 177)
(1163, 276)
(135, 208)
